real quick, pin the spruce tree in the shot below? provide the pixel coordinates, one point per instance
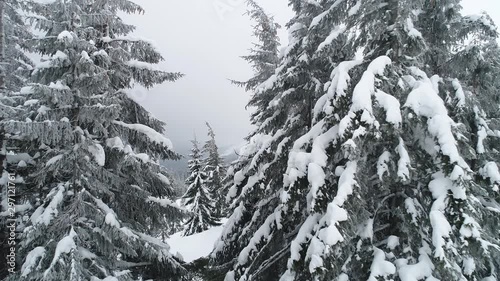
(95, 180)
(215, 170)
(264, 54)
(282, 115)
(264, 58)
(198, 196)
(15, 68)
(380, 180)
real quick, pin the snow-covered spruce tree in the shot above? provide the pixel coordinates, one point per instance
(283, 104)
(215, 170)
(198, 197)
(15, 67)
(97, 185)
(264, 55)
(264, 59)
(17, 64)
(382, 185)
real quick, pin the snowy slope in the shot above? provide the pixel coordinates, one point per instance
(194, 246)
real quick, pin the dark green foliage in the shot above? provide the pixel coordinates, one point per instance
(375, 156)
(94, 177)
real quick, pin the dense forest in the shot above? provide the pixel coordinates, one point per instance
(375, 154)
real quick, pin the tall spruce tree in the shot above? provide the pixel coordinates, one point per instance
(283, 113)
(198, 197)
(376, 145)
(15, 68)
(215, 170)
(264, 59)
(95, 179)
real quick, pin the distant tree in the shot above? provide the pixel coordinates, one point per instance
(198, 198)
(215, 169)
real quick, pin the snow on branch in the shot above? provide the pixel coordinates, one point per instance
(424, 101)
(150, 133)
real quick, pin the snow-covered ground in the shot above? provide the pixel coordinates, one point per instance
(194, 246)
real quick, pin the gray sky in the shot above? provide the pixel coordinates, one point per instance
(204, 39)
(205, 43)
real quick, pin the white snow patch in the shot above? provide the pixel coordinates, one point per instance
(153, 135)
(296, 245)
(459, 93)
(366, 229)
(346, 183)
(382, 164)
(354, 9)
(142, 65)
(470, 228)
(425, 101)
(58, 85)
(45, 215)
(163, 178)
(483, 20)
(32, 261)
(333, 35)
(392, 242)
(334, 215)
(391, 106)
(362, 94)
(143, 157)
(404, 161)
(416, 272)
(115, 142)
(336, 89)
(441, 228)
(361, 97)
(64, 246)
(412, 31)
(194, 246)
(53, 160)
(98, 153)
(51, 62)
(65, 35)
(490, 171)
(111, 220)
(469, 266)
(380, 267)
(411, 209)
(164, 202)
(31, 102)
(262, 233)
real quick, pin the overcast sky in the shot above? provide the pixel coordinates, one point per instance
(204, 39)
